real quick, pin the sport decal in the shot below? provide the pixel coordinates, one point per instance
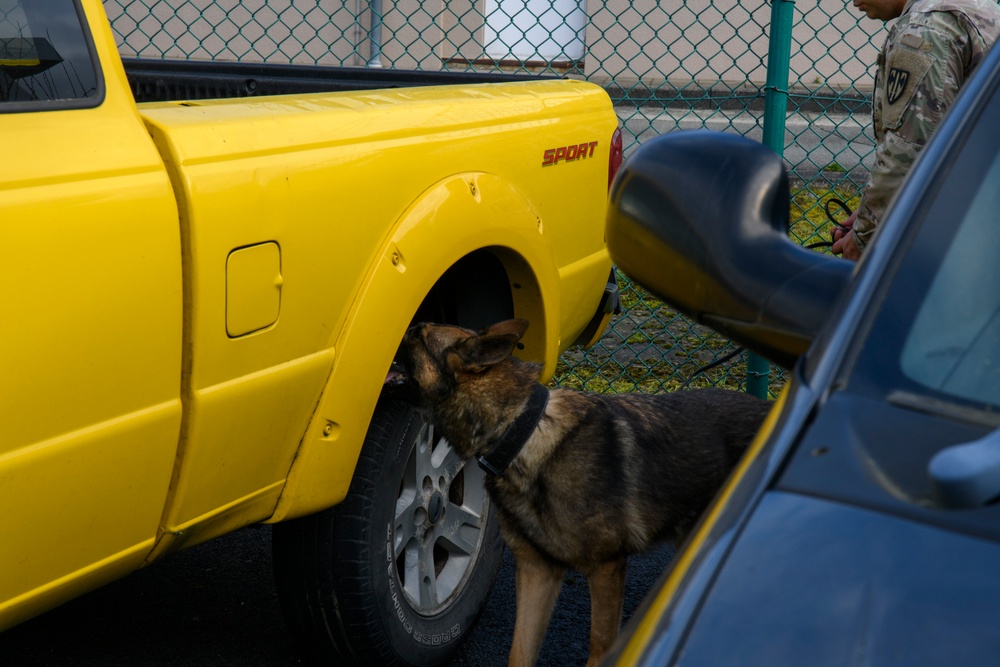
(568, 153)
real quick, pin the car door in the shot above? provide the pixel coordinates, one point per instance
(878, 540)
(92, 311)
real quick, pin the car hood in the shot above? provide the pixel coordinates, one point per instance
(814, 582)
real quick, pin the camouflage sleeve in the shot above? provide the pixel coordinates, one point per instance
(893, 158)
(924, 69)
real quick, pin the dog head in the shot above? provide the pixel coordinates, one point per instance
(435, 359)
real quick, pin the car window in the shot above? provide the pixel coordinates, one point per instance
(954, 344)
(46, 59)
(937, 330)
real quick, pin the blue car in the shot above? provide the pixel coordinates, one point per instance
(863, 526)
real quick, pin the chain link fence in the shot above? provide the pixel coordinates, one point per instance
(667, 64)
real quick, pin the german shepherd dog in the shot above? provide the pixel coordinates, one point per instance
(578, 480)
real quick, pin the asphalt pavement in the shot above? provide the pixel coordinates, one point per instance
(215, 605)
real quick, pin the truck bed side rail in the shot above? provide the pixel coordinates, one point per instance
(165, 80)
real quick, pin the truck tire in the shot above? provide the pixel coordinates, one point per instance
(398, 573)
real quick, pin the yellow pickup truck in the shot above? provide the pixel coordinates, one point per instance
(206, 284)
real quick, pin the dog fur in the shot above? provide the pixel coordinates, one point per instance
(599, 478)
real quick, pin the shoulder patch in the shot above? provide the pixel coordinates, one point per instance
(904, 71)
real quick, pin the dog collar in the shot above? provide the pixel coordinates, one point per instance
(495, 461)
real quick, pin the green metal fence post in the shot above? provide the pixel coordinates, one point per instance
(775, 110)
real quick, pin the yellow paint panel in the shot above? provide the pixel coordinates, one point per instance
(38, 600)
(241, 437)
(74, 501)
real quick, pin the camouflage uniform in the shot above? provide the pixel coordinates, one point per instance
(928, 55)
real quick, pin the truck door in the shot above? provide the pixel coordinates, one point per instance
(91, 321)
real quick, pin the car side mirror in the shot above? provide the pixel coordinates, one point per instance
(968, 475)
(701, 220)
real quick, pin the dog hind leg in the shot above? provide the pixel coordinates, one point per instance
(607, 596)
(537, 584)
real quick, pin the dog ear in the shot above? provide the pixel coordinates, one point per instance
(515, 327)
(494, 344)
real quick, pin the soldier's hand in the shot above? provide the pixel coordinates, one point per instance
(846, 247)
(846, 226)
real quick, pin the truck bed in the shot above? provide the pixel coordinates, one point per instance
(166, 80)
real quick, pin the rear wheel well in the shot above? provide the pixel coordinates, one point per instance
(474, 293)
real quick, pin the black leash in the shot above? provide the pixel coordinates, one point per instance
(717, 362)
(842, 205)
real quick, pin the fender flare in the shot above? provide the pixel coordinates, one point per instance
(455, 217)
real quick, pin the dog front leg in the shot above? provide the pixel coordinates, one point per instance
(607, 595)
(537, 584)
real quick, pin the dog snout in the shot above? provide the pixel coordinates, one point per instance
(402, 363)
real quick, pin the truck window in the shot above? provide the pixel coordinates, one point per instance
(46, 58)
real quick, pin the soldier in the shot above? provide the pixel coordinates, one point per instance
(928, 55)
